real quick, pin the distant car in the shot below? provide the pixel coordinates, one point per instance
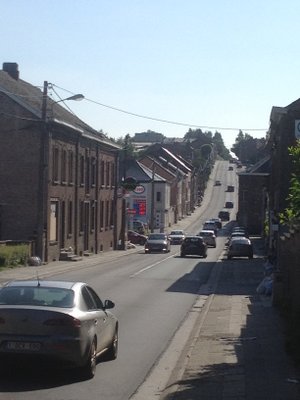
(209, 237)
(230, 168)
(230, 188)
(218, 222)
(224, 215)
(211, 225)
(229, 204)
(217, 183)
(240, 247)
(176, 237)
(159, 242)
(59, 321)
(193, 245)
(136, 238)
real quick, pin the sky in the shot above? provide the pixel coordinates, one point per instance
(160, 65)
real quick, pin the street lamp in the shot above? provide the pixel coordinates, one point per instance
(42, 223)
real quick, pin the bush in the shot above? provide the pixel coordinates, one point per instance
(14, 255)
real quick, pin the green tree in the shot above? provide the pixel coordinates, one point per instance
(249, 150)
(292, 212)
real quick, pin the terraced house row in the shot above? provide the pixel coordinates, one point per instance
(61, 180)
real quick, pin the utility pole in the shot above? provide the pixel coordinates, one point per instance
(41, 245)
(152, 198)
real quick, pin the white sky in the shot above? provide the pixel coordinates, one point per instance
(218, 63)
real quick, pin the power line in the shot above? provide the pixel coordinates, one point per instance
(52, 85)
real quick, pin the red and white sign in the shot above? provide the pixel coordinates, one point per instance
(139, 189)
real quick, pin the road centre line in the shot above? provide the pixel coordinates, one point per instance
(150, 266)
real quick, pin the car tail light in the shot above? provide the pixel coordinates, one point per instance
(71, 322)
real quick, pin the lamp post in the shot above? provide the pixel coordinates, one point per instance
(43, 204)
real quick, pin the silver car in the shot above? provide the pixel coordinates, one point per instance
(176, 237)
(157, 242)
(209, 237)
(64, 322)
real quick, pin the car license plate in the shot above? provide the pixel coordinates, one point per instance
(23, 346)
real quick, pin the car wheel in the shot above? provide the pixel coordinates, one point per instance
(89, 368)
(182, 255)
(229, 257)
(205, 255)
(250, 257)
(112, 352)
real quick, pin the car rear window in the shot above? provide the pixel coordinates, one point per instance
(158, 236)
(37, 296)
(193, 240)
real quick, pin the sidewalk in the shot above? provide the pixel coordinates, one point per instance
(55, 267)
(237, 349)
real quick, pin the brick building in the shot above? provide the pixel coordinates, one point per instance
(58, 176)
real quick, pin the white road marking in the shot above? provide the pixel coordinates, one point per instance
(151, 266)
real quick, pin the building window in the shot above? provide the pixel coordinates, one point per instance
(101, 215)
(87, 175)
(102, 174)
(93, 172)
(112, 214)
(81, 171)
(93, 213)
(81, 216)
(53, 235)
(55, 154)
(70, 218)
(107, 211)
(112, 175)
(107, 173)
(63, 166)
(71, 167)
(158, 196)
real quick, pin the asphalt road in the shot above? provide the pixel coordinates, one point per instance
(153, 295)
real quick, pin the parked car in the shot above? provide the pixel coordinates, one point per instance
(230, 168)
(157, 242)
(240, 229)
(55, 320)
(217, 183)
(136, 238)
(176, 237)
(239, 234)
(193, 245)
(209, 237)
(229, 204)
(224, 215)
(230, 188)
(139, 227)
(211, 225)
(240, 247)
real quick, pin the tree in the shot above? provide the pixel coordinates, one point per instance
(292, 213)
(248, 149)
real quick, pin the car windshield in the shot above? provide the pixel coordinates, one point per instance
(176, 233)
(37, 296)
(157, 236)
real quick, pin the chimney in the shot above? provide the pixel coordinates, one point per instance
(12, 69)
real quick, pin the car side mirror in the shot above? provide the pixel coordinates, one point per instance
(108, 304)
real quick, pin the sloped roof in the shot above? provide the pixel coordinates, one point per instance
(140, 172)
(30, 98)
